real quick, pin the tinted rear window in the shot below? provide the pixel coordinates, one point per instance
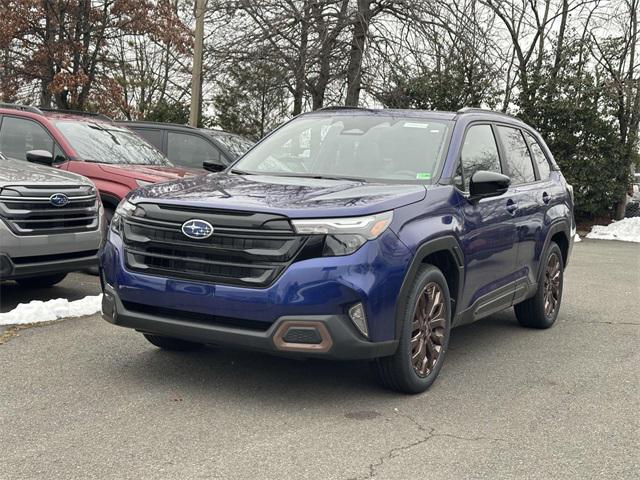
(519, 165)
(538, 155)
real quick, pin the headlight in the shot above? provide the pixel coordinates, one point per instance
(143, 183)
(345, 235)
(125, 208)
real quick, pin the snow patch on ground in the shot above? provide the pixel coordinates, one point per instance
(626, 230)
(577, 238)
(37, 311)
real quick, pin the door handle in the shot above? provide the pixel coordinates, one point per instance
(511, 206)
(546, 198)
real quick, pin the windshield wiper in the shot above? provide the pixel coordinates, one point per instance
(317, 176)
(300, 175)
(95, 126)
(336, 177)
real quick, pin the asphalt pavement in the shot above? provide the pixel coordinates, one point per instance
(84, 399)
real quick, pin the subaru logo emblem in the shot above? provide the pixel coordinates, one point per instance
(58, 199)
(197, 229)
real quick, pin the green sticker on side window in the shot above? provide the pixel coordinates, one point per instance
(423, 176)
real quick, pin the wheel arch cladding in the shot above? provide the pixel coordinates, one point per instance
(559, 233)
(563, 242)
(445, 254)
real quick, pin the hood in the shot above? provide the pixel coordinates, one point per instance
(16, 172)
(151, 173)
(294, 197)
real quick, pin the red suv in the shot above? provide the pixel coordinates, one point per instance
(113, 157)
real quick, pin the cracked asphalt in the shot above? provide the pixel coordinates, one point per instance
(83, 399)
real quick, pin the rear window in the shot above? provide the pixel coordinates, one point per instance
(107, 143)
(519, 165)
(539, 157)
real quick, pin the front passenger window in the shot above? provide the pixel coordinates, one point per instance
(18, 136)
(479, 152)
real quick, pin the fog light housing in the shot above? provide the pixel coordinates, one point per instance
(359, 319)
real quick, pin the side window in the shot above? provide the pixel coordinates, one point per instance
(538, 157)
(479, 152)
(58, 154)
(191, 150)
(153, 136)
(18, 136)
(518, 160)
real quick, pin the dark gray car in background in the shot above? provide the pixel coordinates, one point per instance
(192, 147)
(51, 223)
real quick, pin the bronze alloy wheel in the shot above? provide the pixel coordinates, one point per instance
(428, 329)
(552, 285)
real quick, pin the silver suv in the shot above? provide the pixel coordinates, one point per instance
(51, 223)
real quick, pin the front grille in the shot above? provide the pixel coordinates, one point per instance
(249, 249)
(27, 210)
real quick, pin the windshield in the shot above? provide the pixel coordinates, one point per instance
(106, 143)
(373, 147)
(234, 144)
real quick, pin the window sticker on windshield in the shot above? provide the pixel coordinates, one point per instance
(415, 125)
(423, 176)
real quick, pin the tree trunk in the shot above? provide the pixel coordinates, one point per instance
(301, 64)
(45, 81)
(356, 55)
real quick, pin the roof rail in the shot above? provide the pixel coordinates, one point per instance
(341, 107)
(171, 124)
(483, 110)
(24, 108)
(77, 112)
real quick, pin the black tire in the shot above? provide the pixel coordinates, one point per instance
(41, 282)
(170, 343)
(398, 371)
(532, 312)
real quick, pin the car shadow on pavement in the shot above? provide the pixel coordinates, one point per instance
(241, 375)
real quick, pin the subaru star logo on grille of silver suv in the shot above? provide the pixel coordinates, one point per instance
(58, 199)
(198, 229)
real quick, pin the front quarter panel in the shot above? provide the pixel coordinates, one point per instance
(436, 216)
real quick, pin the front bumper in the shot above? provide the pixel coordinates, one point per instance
(336, 337)
(11, 269)
(312, 290)
(37, 255)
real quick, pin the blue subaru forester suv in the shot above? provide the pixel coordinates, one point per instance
(349, 234)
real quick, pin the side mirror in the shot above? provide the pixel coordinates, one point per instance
(213, 167)
(40, 156)
(488, 184)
